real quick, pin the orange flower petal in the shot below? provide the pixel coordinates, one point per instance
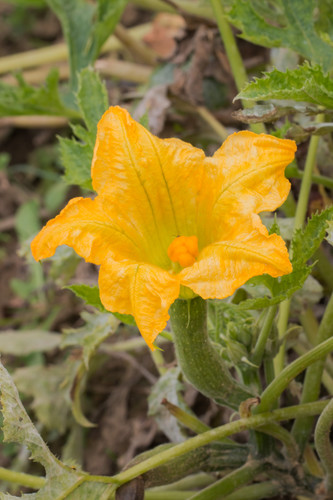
(245, 176)
(85, 226)
(226, 265)
(156, 180)
(142, 290)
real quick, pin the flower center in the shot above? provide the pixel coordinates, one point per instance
(184, 250)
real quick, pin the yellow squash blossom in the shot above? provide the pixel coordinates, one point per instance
(167, 219)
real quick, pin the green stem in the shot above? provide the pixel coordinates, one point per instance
(230, 482)
(311, 387)
(258, 491)
(167, 495)
(327, 379)
(275, 430)
(323, 443)
(216, 434)
(300, 215)
(234, 56)
(159, 362)
(199, 361)
(281, 382)
(293, 171)
(163, 457)
(260, 346)
(27, 480)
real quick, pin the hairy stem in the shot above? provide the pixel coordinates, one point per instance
(311, 388)
(263, 336)
(323, 443)
(216, 434)
(300, 215)
(281, 382)
(230, 482)
(234, 56)
(201, 364)
(21, 478)
(258, 491)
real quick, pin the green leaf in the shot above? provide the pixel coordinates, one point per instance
(286, 23)
(91, 296)
(27, 220)
(22, 343)
(76, 18)
(86, 27)
(305, 243)
(108, 15)
(27, 100)
(92, 99)
(77, 156)
(98, 327)
(76, 159)
(305, 83)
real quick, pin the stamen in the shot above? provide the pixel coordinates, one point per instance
(184, 250)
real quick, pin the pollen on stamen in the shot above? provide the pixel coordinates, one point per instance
(184, 250)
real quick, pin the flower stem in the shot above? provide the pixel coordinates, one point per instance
(281, 382)
(231, 481)
(234, 56)
(263, 336)
(311, 387)
(199, 361)
(300, 215)
(258, 491)
(323, 443)
(216, 434)
(21, 478)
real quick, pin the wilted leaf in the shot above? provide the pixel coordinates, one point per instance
(305, 83)
(27, 100)
(22, 343)
(167, 387)
(287, 23)
(18, 428)
(97, 328)
(51, 396)
(272, 111)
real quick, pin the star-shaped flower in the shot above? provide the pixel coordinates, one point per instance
(167, 220)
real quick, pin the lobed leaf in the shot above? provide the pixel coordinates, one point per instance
(285, 23)
(77, 156)
(27, 100)
(168, 387)
(97, 328)
(305, 83)
(18, 428)
(304, 244)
